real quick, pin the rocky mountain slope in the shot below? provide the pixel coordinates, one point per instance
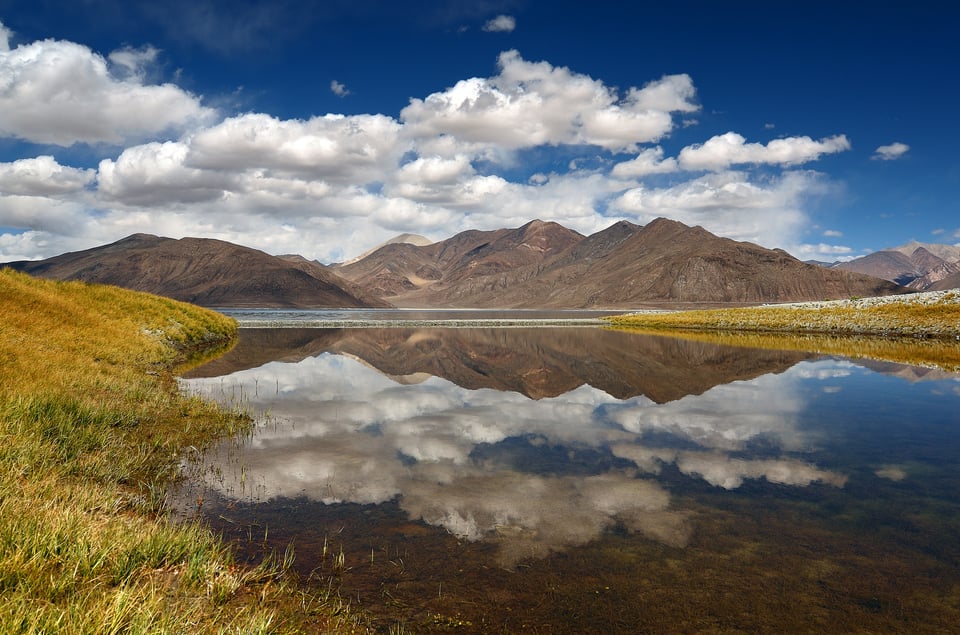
(919, 266)
(543, 265)
(206, 272)
(538, 265)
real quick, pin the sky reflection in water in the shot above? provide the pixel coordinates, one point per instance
(402, 417)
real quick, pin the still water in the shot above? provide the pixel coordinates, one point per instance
(587, 480)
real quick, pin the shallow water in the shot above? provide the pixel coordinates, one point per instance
(585, 480)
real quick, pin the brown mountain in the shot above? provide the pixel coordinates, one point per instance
(206, 272)
(919, 266)
(951, 281)
(542, 265)
(452, 271)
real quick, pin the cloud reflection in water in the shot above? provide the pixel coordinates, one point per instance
(340, 431)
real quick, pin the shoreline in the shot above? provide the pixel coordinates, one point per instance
(933, 314)
(452, 323)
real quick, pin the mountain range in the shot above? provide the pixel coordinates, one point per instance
(918, 266)
(539, 265)
(207, 272)
(545, 265)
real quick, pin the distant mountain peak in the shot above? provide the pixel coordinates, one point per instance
(400, 239)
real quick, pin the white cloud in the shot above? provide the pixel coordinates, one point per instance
(132, 63)
(355, 149)
(332, 186)
(821, 251)
(62, 93)
(44, 215)
(723, 151)
(531, 104)
(832, 233)
(338, 89)
(42, 176)
(890, 152)
(156, 174)
(5, 35)
(501, 24)
(729, 204)
(648, 162)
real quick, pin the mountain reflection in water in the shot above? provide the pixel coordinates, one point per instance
(533, 442)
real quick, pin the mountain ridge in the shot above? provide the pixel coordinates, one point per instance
(918, 266)
(624, 265)
(540, 264)
(204, 271)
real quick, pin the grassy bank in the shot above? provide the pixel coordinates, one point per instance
(90, 425)
(920, 315)
(921, 329)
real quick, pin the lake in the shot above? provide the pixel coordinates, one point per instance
(587, 480)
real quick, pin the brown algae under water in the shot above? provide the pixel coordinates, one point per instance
(547, 480)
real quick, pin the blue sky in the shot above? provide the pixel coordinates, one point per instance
(324, 128)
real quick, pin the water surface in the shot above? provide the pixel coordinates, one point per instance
(585, 480)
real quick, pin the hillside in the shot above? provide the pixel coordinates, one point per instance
(203, 271)
(451, 272)
(542, 265)
(919, 266)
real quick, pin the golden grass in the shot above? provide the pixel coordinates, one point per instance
(922, 315)
(922, 330)
(90, 424)
(939, 353)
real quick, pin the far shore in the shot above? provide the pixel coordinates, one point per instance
(933, 314)
(920, 315)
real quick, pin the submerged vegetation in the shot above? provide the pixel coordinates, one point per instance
(923, 315)
(90, 426)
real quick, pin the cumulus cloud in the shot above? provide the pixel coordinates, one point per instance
(649, 161)
(531, 104)
(354, 149)
(729, 204)
(42, 176)
(890, 152)
(62, 93)
(156, 174)
(721, 152)
(5, 35)
(331, 186)
(338, 89)
(501, 24)
(132, 63)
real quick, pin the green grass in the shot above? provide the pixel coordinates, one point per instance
(90, 426)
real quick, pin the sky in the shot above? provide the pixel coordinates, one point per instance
(827, 129)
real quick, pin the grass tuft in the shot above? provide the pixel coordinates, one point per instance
(91, 423)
